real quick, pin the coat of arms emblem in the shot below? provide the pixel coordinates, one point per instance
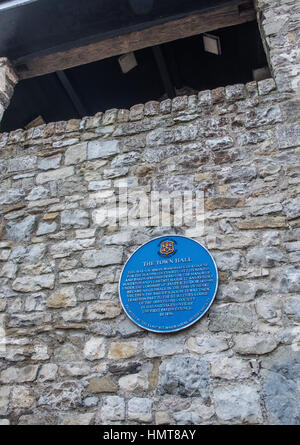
(167, 247)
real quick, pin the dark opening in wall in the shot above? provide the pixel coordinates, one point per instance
(180, 67)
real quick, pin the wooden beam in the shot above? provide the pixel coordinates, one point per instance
(163, 71)
(73, 96)
(14, 3)
(173, 30)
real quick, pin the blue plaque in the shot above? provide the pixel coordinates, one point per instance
(168, 283)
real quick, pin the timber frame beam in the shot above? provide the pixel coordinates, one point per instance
(241, 11)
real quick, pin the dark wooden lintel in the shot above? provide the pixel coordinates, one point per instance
(194, 24)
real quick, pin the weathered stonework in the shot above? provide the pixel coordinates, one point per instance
(8, 80)
(70, 354)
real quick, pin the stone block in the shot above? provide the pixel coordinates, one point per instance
(4, 399)
(140, 409)
(21, 230)
(290, 280)
(103, 149)
(110, 117)
(228, 260)
(239, 403)
(179, 103)
(101, 384)
(77, 275)
(122, 350)
(247, 344)
(292, 208)
(196, 414)
(133, 382)
(76, 154)
(205, 344)
(77, 419)
(265, 256)
(44, 228)
(261, 222)
(74, 219)
(231, 317)
(34, 283)
(19, 375)
(38, 192)
(62, 298)
(94, 348)
(49, 163)
(263, 116)
(54, 175)
(113, 409)
(157, 347)
(223, 203)
(67, 353)
(238, 291)
(22, 397)
(291, 307)
(266, 86)
(65, 248)
(102, 257)
(21, 164)
(184, 376)
(235, 92)
(230, 368)
(103, 310)
(288, 135)
(220, 143)
(48, 372)
(61, 396)
(280, 387)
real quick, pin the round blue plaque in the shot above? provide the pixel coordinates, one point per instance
(168, 283)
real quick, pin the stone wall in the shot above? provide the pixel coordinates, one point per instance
(68, 353)
(8, 80)
(279, 22)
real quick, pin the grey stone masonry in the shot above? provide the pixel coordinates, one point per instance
(279, 26)
(8, 80)
(68, 353)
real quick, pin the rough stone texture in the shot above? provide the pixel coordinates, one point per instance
(76, 154)
(140, 409)
(254, 344)
(74, 218)
(185, 376)
(281, 372)
(102, 149)
(19, 375)
(22, 397)
(33, 284)
(158, 347)
(77, 419)
(8, 80)
(63, 297)
(68, 354)
(94, 348)
(48, 372)
(4, 399)
(238, 403)
(113, 409)
(122, 350)
(231, 318)
(21, 230)
(101, 384)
